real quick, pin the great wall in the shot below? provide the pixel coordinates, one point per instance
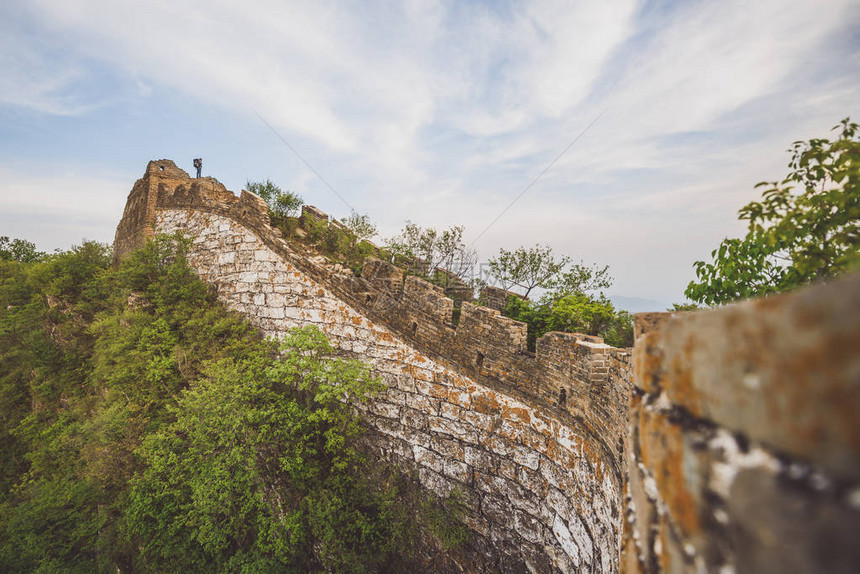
(727, 441)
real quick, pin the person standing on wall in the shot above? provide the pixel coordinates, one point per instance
(198, 163)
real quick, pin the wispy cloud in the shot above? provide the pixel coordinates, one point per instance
(449, 109)
(38, 75)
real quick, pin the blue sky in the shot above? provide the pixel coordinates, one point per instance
(437, 112)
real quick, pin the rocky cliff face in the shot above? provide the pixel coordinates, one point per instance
(567, 462)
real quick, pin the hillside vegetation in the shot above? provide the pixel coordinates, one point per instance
(146, 429)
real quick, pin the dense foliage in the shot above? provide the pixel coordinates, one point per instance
(19, 250)
(345, 242)
(568, 303)
(336, 241)
(794, 237)
(281, 203)
(146, 429)
(575, 312)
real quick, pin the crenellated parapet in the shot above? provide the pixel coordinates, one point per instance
(496, 297)
(484, 344)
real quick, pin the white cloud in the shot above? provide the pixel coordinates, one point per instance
(451, 109)
(270, 59)
(712, 59)
(37, 75)
(567, 47)
(58, 210)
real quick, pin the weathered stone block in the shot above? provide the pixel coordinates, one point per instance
(525, 456)
(776, 527)
(730, 366)
(428, 458)
(480, 459)
(454, 428)
(449, 448)
(450, 411)
(385, 409)
(528, 527)
(566, 540)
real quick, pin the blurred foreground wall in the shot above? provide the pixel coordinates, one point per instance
(744, 437)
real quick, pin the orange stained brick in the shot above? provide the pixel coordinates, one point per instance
(419, 374)
(533, 440)
(486, 402)
(508, 469)
(458, 397)
(541, 424)
(437, 391)
(509, 431)
(560, 455)
(430, 388)
(662, 447)
(648, 363)
(679, 379)
(519, 414)
(814, 366)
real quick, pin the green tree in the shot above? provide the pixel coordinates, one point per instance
(258, 470)
(805, 229)
(566, 305)
(19, 250)
(281, 203)
(538, 267)
(89, 359)
(526, 268)
(423, 251)
(581, 278)
(575, 312)
(360, 226)
(51, 510)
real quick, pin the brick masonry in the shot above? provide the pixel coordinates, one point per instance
(721, 447)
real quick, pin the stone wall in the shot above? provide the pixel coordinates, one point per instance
(744, 440)
(466, 406)
(496, 297)
(733, 447)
